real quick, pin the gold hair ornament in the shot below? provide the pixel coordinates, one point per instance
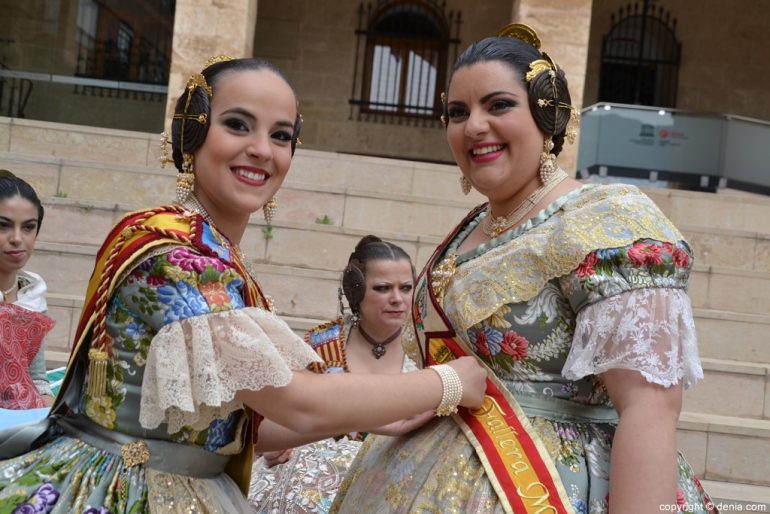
(217, 59)
(521, 32)
(538, 66)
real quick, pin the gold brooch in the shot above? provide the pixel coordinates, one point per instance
(442, 274)
(135, 453)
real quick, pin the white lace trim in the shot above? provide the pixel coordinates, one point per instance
(649, 330)
(196, 366)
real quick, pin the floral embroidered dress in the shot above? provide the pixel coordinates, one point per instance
(547, 307)
(183, 343)
(309, 480)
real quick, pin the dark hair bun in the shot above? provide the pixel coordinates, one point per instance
(550, 118)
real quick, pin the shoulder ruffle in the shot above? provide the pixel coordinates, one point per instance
(646, 330)
(195, 366)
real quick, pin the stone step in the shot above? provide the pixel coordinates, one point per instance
(733, 336)
(734, 497)
(731, 388)
(726, 448)
(727, 289)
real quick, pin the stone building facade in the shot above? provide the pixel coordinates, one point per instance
(317, 44)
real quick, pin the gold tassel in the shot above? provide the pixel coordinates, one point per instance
(97, 373)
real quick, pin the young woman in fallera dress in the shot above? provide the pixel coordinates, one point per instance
(180, 369)
(574, 298)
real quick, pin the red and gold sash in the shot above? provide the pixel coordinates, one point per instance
(516, 462)
(129, 241)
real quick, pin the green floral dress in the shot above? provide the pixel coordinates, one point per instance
(183, 344)
(613, 307)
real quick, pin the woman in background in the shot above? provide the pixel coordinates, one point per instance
(23, 324)
(378, 283)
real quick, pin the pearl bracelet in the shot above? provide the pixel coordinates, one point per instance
(452, 389)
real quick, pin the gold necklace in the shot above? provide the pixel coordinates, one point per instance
(11, 289)
(494, 226)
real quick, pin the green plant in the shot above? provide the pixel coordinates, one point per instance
(326, 220)
(86, 207)
(267, 232)
(60, 194)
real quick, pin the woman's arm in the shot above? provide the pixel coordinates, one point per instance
(274, 437)
(643, 467)
(340, 403)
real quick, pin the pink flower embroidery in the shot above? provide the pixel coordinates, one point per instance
(190, 261)
(643, 253)
(481, 344)
(681, 258)
(586, 267)
(653, 254)
(636, 254)
(515, 345)
(680, 503)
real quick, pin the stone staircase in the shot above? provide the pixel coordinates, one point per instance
(89, 177)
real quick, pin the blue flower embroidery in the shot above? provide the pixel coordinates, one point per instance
(182, 301)
(234, 288)
(136, 330)
(580, 507)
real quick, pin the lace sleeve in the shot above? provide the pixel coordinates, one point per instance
(649, 330)
(195, 366)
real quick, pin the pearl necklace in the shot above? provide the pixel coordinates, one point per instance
(10, 289)
(494, 226)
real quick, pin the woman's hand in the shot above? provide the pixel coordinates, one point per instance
(474, 378)
(404, 426)
(277, 457)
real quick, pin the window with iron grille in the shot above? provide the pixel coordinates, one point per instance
(402, 55)
(640, 57)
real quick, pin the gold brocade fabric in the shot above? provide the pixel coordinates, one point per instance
(602, 217)
(169, 493)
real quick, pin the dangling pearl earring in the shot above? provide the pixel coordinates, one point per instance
(269, 210)
(185, 179)
(547, 162)
(465, 185)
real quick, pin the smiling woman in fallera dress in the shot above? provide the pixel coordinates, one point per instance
(180, 369)
(574, 298)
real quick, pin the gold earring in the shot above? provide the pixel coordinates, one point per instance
(269, 210)
(164, 154)
(185, 179)
(547, 162)
(465, 185)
